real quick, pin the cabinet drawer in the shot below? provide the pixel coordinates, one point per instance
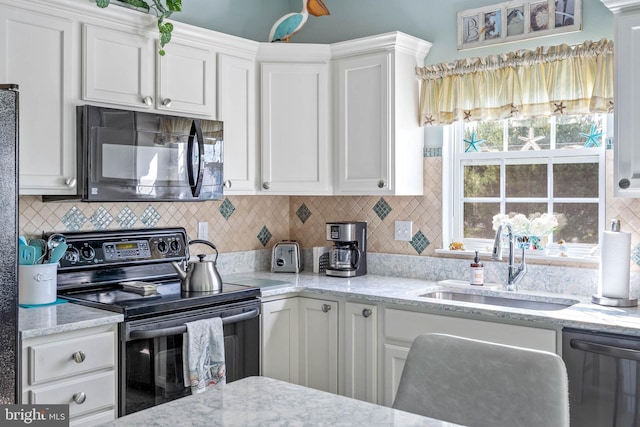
(98, 388)
(56, 359)
(407, 325)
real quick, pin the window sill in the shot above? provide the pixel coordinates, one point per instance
(546, 255)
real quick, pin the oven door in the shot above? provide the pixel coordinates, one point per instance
(135, 155)
(151, 362)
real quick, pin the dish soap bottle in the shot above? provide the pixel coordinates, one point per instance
(477, 272)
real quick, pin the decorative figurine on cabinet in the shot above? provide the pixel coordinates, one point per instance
(291, 23)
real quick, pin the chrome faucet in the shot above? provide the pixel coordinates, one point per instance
(515, 273)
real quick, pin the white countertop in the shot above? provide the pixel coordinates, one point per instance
(405, 292)
(265, 402)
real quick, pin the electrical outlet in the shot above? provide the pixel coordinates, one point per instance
(203, 230)
(403, 230)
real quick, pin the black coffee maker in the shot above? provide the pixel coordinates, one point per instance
(348, 255)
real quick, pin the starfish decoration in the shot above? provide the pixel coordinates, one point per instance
(559, 107)
(530, 141)
(593, 137)
(429, 120)
(472, 144)
(467, 115)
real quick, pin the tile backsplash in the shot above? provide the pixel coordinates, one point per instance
(247, 223)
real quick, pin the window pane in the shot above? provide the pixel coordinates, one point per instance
(484, 136)
(527, 209)
(478, 219)
(570, 128)
(577, 222)
(575, 180)
(526, 180)
(530, 134)
(482, 181)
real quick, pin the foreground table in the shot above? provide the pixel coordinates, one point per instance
(261, 401)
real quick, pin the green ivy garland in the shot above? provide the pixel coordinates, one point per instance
(161, 11)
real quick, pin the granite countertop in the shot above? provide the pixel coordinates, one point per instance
(261, 401)
(405, 292)
(57, 318)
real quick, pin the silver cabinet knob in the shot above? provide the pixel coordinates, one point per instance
(147, 100)
(79, 356)
(227, 184)
(266, 185)
(382, 184)
(166, 102)
(326, 308)
(79, 397)
(366, 312)
(70, 182)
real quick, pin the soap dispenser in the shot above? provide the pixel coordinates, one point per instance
(477, 272)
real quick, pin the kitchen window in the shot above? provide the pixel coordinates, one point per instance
(551, 164)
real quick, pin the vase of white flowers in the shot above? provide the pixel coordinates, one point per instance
(531, 233)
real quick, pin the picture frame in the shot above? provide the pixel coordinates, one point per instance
(517, 20)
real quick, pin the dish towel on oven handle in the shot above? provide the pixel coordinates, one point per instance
(203, 354)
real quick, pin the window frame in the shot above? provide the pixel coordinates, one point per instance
(454, 159)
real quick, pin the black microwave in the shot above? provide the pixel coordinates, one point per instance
(131, 155)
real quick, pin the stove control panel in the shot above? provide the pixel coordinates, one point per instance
(86, 249)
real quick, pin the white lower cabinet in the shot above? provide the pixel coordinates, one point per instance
(300, 342)
(361, 351)
(77, 368)
(402, 327)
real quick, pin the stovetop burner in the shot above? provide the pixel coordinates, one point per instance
(97, 262)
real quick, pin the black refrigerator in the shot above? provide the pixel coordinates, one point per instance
(8, 243)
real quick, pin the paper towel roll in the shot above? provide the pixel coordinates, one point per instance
(615, 250)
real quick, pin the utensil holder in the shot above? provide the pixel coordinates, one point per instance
(37, 284)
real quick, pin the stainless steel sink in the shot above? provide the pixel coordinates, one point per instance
(501, 301)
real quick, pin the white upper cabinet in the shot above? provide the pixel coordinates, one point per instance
(379, 142)
(123, 67)
(39, 52)
(626, 180)
(295, 119)
(237, 109)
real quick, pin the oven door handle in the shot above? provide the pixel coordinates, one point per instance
(606, 350)
(176, 330)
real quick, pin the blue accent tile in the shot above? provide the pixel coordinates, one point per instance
(420, 242)
(126, 218)
(303, 213)
(226, 208)
(101, 218)
(74, 219)
(635, 255)
(264, 236)
(382, 208)
(150, 217)
(433, 152)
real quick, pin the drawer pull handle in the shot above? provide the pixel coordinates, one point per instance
(79, 356)
(80, 397)
(147, 100)
(166, 102)
(366, 312)
(326, 308)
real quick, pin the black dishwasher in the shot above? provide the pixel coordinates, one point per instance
(604, 374)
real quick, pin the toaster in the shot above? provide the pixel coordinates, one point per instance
(286, 257)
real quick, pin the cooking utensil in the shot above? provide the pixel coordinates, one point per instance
(201, 276)
(54, 240)
(40, 246)
(57, 253)
(26, 255)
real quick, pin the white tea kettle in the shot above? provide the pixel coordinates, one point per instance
(201, 276)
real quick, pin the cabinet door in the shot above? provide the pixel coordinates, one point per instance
(118, 67)
(627, 109)
(37, 54)
(319, 344)
(295, 139)
(395, 357)
(361, 364)
(280, 342)
(364, 155)
(237, 109)
(186, 80)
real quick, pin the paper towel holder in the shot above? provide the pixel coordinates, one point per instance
(614, 302)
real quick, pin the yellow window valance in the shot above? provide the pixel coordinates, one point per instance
(527, 83)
